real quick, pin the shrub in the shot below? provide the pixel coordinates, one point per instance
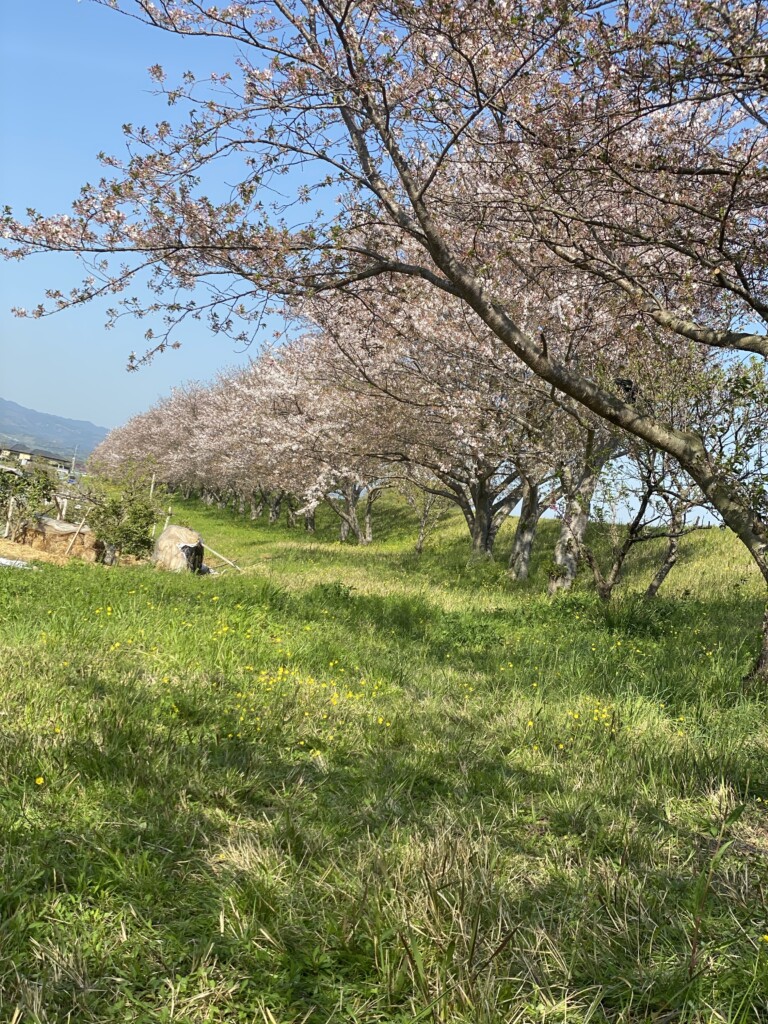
(26, 496)
(124, 521)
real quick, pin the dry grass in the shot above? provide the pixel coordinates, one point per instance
(10, 549)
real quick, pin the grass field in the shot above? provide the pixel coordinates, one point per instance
(355, 785)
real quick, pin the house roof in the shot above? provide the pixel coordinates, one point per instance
(39, 452)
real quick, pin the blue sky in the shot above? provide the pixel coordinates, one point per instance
(71, 74)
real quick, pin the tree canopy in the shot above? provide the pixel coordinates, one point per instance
(586, 178)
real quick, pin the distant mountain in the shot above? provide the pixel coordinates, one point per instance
(21, 426)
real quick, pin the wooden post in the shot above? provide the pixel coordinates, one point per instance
(75, 536)
(151, 492)
(8, 518)
(217, 555)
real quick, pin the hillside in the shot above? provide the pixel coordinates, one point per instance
(352, 785)
(19, 425)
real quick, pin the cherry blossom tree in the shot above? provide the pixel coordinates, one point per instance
(438, 412)
(614, 146)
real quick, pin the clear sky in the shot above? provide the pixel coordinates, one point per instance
(71, 74)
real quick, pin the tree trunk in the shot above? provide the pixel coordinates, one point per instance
(482, 542)
(346, 510)
(309, 521)
(368, 521)
(257, 509)
(737, 513)
(275, 506)
(634, 534)
(759, 671)
(530, 513)
(572, 532)
(482, 525)
(428, 503)
(351, 498)
(665, 568)
(604, 584)
(423, 519)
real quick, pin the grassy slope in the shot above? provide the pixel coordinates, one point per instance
(355, 785)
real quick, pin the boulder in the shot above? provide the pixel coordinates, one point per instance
(179, 549)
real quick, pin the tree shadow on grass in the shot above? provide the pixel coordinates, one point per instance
(710, 641)
(166, 856)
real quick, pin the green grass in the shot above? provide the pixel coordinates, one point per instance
(354, 785)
